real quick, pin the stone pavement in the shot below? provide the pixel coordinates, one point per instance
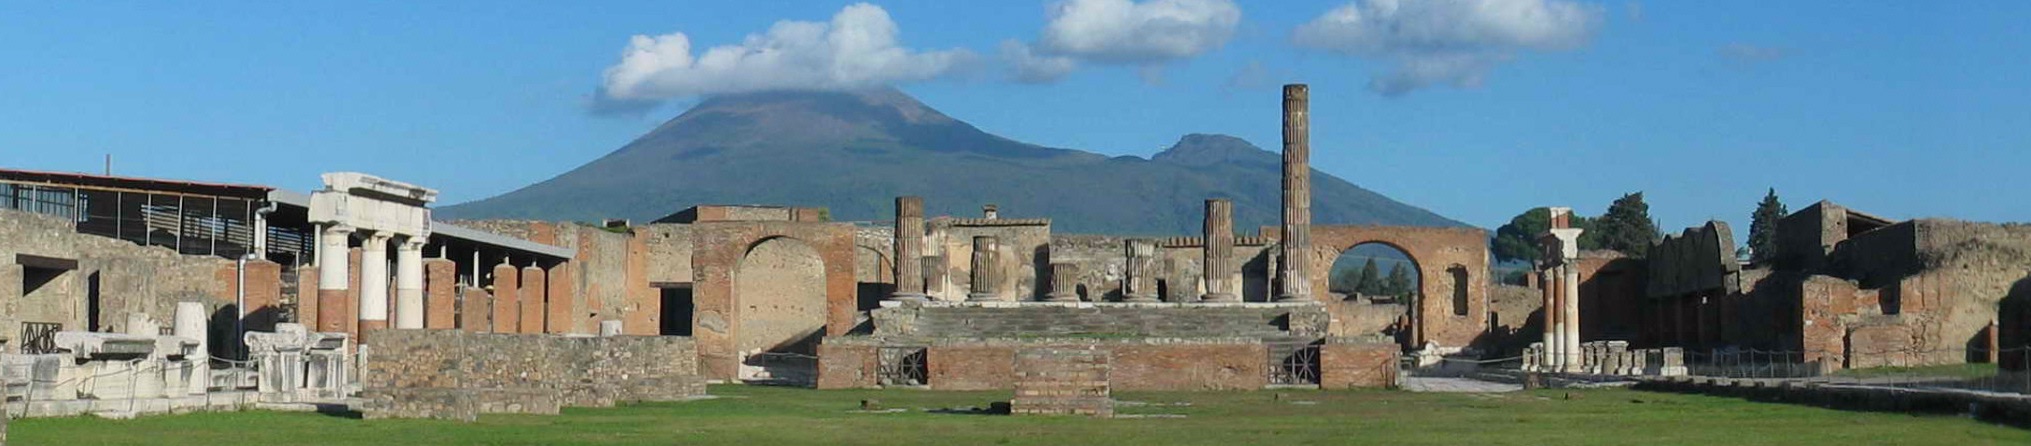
(1459, 385)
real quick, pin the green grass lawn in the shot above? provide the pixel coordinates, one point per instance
(763, 416)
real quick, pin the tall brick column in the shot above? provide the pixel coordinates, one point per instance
(334, 273)
(1297, 195)
(1218, 252)
(1064, 282)
(475, 310)
(507, 298)
(1140, 285)
(909, 247)
(558, 314)
(440, 289)
(532, 300)
(986, 280)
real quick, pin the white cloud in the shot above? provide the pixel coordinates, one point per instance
(1447, 42)
(1030, 68)
(857, 49)
(1145, 34)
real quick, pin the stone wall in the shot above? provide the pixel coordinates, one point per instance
(1699, 260)
(1025, 250)
(1039, 319)
(454, 374)
(1154, 364)
(124, 278)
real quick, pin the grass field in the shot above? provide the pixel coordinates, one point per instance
(763, 416)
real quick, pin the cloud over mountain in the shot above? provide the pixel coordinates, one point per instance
(1447, 42)
(1121, 32)
(857, 49)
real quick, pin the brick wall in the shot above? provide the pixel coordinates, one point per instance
(1137, 364)
(971, 366)
(847, 365)
(1345, 364)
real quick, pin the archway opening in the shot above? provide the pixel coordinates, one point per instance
(1385, 278)
(779, 296)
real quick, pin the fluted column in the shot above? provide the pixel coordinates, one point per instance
(986, 280)
(937, 278)
(1297, 195)
(373, 284)
(909, 249)
(1140, 285)
(409, 283)
(334, 275)
(1218, 252)
(1064, 282)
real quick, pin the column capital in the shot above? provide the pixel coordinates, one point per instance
(412, 243)
(338, 228)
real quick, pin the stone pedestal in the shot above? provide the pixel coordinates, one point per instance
(987, 274)
(1062, 381)
(1064, 282)
(191, 324)
(1296, 240)
(1218, 252)
(1140, 283)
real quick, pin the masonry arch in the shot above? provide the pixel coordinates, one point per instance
(779, 289)
(1449, 308)
(1389, 291)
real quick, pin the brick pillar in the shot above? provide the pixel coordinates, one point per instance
(986, 279)
(440, 294)
(1994, 341)
(557, 318)
(532, 300)
(334, 273)
(507, 299)
(1218, 252)
(475, 310)
(1064, 282)
(1140, 285)
(1297, 195)
(909, 249)
(306, 296)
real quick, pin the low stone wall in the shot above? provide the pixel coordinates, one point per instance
(1136, 364)
(452, 374)
(2014, 409)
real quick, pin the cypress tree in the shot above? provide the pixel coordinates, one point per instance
(1763, 228)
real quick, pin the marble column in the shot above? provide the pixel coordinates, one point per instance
(334, 274)
(191, 322)
(409, 283)
(1555, 345)
(1297, 195)
(1549, 350)
(986, 280)
(1140, 283)
(909, 249)
(1218, 252)
(1064, 282)
(373, 284)
(1569, 316)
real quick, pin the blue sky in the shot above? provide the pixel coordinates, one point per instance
(1899, 108)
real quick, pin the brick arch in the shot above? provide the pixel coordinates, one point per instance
(717, 251)
(1436, 252)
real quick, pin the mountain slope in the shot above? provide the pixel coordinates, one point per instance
(854, 152)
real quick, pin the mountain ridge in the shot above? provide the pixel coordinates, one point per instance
(853, 152)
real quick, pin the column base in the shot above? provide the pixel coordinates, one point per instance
(910, 297)
(1219, 297)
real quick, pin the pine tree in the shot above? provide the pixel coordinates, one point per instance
(1627, 226)
(1517, 241)
(1398, 282)
(1370, 281)
(1763, 228)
